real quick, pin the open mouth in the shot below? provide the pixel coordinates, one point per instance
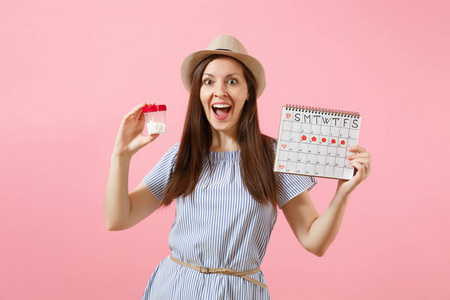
(221, 110)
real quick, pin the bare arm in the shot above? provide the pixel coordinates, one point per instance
(123, 209)
(315, 232)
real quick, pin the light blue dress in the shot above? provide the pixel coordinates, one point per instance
(218, 226)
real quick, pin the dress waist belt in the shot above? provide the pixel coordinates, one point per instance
(223, 271)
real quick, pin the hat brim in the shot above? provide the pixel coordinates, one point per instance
(192, 60)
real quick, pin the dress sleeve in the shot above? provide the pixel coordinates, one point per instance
(158, 178)
(290, 185)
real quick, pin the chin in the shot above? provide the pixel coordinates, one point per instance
(223, 127)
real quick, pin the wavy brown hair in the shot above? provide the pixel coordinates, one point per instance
(257, 154)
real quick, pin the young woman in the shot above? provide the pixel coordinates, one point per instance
(221, 177)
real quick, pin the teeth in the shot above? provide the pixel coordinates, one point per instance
(221, 105)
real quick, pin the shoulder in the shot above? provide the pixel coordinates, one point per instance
(175, 148)
(273, 142)
(170, 156)
(268, 140)
(173, 151)
(164, 167)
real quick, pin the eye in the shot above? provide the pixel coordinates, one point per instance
(207, 82)
(232, 81)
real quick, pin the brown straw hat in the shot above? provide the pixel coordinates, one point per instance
(229, 46)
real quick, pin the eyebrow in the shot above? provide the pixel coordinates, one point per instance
(229, 75)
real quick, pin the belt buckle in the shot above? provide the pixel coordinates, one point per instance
(204, 270)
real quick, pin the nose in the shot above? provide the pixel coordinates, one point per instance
(220, 91)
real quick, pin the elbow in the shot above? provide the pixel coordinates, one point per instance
(113, 226)
(317, 251)
(114, 222)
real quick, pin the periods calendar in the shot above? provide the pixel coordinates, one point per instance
(314, 141)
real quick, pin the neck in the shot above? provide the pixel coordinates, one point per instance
(224, 141)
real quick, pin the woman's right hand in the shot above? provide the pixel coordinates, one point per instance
(130, 138)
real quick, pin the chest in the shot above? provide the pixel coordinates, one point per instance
(221, 194)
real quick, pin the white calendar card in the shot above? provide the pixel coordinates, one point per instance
(314, 141)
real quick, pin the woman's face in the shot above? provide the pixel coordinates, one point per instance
(223, 94)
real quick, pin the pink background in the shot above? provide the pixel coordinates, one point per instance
(71, 69)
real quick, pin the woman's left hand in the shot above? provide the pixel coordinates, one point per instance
(361, 161)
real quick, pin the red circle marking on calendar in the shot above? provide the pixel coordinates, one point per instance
(333, 141)
(314, 139)
(303, 137)
(324, 140)
(342, 142)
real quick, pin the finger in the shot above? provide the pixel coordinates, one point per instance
(141, 116)
(358, 155)
(139, 107)
(361, 160)
(138, 114)
(360, 170)
(356, 148)
(132, 113)
(138, 110)
(148, 139)
(366, 168)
